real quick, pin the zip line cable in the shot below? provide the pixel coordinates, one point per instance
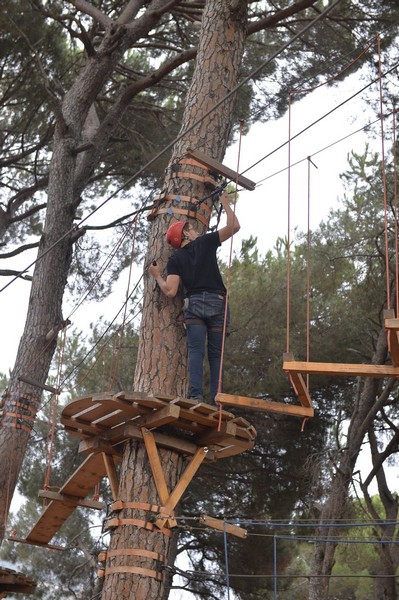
(320, 119)
(309, 26)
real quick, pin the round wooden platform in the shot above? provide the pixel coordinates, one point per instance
(17, 583)
(104, 420)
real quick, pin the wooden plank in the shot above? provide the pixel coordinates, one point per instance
(389, 319)
(83, 480)
(157, 473)
(232, 450)
(265, 405)
(223, 526)
(341, 369)
(183, 482)
(300, 388)
(220, 168)
(13, 538)
(392, 327)
(131, 431)
(157, 418)
(298, 382)
(225, 435)
(111, 474)
(84, 502)
(156, 466)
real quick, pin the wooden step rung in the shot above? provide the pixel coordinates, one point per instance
(265, 405)
(79, 485)
(221, 168)
(341, 369)
(392, 328)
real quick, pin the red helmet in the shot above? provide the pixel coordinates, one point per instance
(174, 235)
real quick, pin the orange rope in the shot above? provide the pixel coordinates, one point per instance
(54, 411)
(288, 298)
(298, 91)
(308, 280)
(395, 195)
(121, 330)
(384, 181)
(226, 308)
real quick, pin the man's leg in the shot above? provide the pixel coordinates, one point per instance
(196, 336)
(215, 341)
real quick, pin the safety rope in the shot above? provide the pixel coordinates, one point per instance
(290, 138)
(395, 201)
(53, 420)
(226, 308)
(384, 179)
(121, 331)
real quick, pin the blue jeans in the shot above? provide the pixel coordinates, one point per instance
(204, 319)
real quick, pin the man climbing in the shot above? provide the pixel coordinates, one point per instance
(195, 265)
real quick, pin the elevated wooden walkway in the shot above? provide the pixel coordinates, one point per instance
(62, 504)
(16, 583)
(104, 421)
(296, 369)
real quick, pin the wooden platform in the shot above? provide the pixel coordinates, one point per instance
(104, 420)
(295, 369)
(16, 583)
(261, 405)
(62, 504)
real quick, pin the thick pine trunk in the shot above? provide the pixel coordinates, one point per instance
(162, 360)
(334, 508)
(68, 175)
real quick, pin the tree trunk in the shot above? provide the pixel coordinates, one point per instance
(333, 510)
(68, 175)
(162, 361)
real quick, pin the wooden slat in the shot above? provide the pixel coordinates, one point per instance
(222, 169)
(392, 327)
(79, 485)
(131, 431)
(223, 526)
(157, 418)
(341, 369)
(156, 466)
(183, 482)
(265, 405)
(111, 474)
(84, 502)
(232, 450)
(224, 435)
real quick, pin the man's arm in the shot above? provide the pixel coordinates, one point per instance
(168, 286)
(232, 223)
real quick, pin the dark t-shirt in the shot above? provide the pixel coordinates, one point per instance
(197, 266)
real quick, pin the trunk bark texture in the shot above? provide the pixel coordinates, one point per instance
(365, 409)
(162, 357)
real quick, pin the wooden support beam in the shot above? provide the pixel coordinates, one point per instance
(111, 474)
(14, 538)
(225, 434)
(42, 386)
(341, 369)
(221, 168)
(157, 418)
(84, 502)
(156, 466)
(78, 486)
(265, 405)
(392, 327)
(223, 526)
(183, 482)
(157, 472)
